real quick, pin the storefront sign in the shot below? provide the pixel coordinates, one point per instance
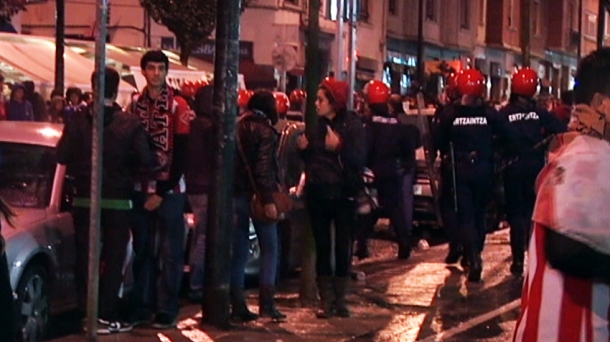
(207, 50)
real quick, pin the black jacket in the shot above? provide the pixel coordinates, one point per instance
(126, 152)
(471, 129)
(259, 142)
(391, 146)
(533, 124)
(337, 172)
(199, 166)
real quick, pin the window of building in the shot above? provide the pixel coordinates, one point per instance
(482, 10)
(364, 10)
(536, 17)
(589, 25)
(292, 2)
(431, 10)
(571, 17)
(511, 13)
(393, 9)
(465, 14)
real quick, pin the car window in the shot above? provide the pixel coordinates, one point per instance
(26, 174)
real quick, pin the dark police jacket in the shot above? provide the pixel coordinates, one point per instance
(532, 125)
(471, 129)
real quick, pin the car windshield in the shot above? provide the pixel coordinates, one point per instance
(26, 174)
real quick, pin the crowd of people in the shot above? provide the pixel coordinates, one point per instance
(24, 103)
(158, 152)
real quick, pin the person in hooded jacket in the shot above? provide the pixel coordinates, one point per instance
(126, 153)
(19, 108)
(257, 143)
(38, 104)
(198, 177)
(532, 123)
(334, 160)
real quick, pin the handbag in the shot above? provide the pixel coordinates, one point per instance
(282, 201)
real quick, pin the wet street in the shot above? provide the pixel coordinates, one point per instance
(421, 299)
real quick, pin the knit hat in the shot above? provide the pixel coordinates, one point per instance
(339, 92)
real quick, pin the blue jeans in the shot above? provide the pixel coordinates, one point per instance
(199, 205)
(158, 244)
(267, 238)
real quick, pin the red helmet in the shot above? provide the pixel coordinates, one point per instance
(297, 97)
(282, 103)
(243, 97)
(470, 82)
(377, 92)
(188, 89)
(524, 82)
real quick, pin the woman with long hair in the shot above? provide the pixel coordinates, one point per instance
(8, 317)
(334, 161)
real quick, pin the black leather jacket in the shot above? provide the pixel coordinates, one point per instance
(259, 142)
(126, 152)
(336, 174)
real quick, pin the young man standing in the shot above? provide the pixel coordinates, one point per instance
(159, 201)
(126, 152)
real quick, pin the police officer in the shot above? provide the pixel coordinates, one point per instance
(448, 212)
(532, 123)
(465, 131)
(389, 150)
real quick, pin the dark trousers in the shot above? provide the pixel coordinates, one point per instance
(114, 237)
(394, 200)
(474, 189)
(447, 206)
(323, 213)
(8, 318)
(520, 196)
(158, 243)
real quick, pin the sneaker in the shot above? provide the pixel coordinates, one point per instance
(140, 318)
(106, 327)
(164, 321)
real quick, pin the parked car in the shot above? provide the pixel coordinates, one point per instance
(40, 248)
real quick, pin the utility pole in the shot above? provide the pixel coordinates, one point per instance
(580, 19)
(96, 172)
(526, 32)
(420, 43)
(60, 37)
(601, 23)
(308, 290)
(220, 220)
(354, 15)
(340, 54)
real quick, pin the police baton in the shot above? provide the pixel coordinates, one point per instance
(544, 142)
(453, 177)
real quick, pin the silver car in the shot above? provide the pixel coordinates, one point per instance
(40, 248)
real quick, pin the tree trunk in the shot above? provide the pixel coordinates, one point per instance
(186, 49)
(308, 290)
(220, 220)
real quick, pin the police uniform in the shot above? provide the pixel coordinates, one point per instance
(471, 130)
(532, 124)
(391, 152)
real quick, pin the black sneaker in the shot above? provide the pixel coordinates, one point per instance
(164, 321)
(106, 328)
(140, 318)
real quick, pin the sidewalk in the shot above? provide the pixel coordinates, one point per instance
(406, 301)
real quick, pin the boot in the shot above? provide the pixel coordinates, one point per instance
(239, 308)
(404, 250)
(454, 255)
(362, 249)
(327, 297)
(266, 304)
(476, 267)
(340, 287)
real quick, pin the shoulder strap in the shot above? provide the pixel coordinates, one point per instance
(243, 157)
